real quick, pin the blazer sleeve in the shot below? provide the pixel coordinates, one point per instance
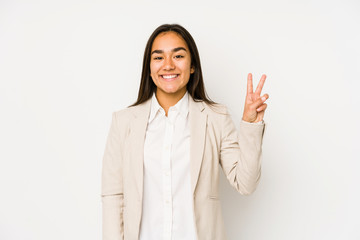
(240, 154)
(111, 186)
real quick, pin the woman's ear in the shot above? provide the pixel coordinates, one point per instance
(192, 69)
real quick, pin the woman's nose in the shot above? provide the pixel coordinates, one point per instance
(168, 64)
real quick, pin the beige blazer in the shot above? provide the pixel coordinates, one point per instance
(214, 143)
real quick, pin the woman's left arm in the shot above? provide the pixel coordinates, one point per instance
(240, 154)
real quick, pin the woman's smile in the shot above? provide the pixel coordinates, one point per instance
(169, 77)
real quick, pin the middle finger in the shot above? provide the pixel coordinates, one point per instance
(260, 85)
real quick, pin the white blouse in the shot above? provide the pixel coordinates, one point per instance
(167, 200)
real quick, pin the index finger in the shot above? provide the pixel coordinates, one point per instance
(260, 85)
(249, 84)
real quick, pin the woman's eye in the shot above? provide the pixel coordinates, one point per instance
(179, 56)
(157, 58)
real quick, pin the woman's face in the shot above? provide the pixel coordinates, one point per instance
(170, 64)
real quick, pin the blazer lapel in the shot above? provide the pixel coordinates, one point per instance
(137, 138)
(197, 120)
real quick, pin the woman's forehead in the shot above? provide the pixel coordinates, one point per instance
(167, 41)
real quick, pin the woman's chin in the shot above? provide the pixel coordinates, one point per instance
(170, 90)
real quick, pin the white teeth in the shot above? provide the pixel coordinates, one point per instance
(169, 76)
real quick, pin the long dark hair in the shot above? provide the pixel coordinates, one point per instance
(195, 86)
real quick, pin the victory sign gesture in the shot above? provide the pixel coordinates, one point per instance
(255, 105)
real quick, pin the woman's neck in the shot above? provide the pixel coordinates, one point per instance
(167, 100)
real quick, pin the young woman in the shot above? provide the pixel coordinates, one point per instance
(160, 173)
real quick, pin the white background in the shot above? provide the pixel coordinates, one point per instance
(65, 66)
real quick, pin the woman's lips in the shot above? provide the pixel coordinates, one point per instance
(169, 78)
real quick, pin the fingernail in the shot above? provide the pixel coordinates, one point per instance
(263, 98)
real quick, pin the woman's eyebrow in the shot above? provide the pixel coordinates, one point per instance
(174, 50)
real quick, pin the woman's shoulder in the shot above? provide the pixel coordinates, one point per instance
(128, 113)
(122, 116)
(217, 109)
(124, 112)
(218, 116)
